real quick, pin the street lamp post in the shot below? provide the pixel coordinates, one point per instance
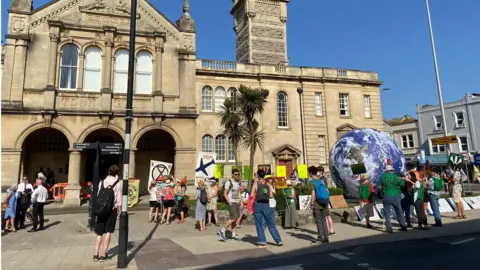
(300, 98)
(122, 261)
(437, 74)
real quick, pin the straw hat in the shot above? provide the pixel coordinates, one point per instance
(364, 176)
(389, 168)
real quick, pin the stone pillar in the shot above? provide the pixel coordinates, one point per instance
(132, 163)
(81, 66)
(159, 41)
(11, 163)
(52, 52)
(187, 84)
(107, 71)
(183, 84)
(18, 78)
(185, 159)
(72, 191)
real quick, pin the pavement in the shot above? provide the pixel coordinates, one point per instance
(67, 244)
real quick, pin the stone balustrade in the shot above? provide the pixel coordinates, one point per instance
(204, 65)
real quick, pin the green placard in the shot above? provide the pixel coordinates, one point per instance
(456, 159)
(358, 168)
(246, 172)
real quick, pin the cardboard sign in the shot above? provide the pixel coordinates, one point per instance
(338, 201)
(302, 171)
(205, 167)
(381, 211)
(280, 182)
(159, 170)
(361, 214)
(282, 171)
(133, 194)
(305, 202)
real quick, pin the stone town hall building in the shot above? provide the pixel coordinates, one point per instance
(65, 82)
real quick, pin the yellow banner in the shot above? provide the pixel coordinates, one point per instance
(282, 171)
(133, 187)
(302, 171)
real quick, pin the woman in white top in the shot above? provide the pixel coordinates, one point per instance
(154, 198)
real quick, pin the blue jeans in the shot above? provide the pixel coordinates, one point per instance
(433, 198)
(263, 214)
(388, 203)
(406, 208)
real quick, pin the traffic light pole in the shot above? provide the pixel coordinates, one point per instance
(123, 228)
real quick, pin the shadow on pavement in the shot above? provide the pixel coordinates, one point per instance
(139, 247)
(288, 258)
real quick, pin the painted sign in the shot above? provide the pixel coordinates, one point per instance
(159, 170)
(133, 194)
(302, 171)
(282, 171)
(444, 140)
(305, 202)
(205, 167)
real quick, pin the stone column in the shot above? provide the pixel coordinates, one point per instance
(132, 163)
(72, 191)
(159, 41)
(185, 159)
(52, 53)
(107, 71)
(18, 79)
(183, 76)
(81, 65)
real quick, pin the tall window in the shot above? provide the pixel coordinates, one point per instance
(407, 141)
(232, 95)
(344, 105)
(69, 67)
(438, 149)
(367, 106)
(437, 119)
(207, 98)
(318, 104)
(220, 147)
(144, 73)
(92, 77)
(463, 144)
(322, 149)
(120, 72)
(231, 153)
(459, 119)
(207, 143)
(219, 98)
(282, 109)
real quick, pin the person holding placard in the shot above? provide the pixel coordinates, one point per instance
(291, 207)
(418, 197)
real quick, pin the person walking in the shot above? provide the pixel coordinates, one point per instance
(456, 180)
(39, 198)
(262, 212)
(231, 194)
(391, 187)
(10, 208)
(367, 192)
(433, 191)
(319, 205)
(291, 206)
(105, 224)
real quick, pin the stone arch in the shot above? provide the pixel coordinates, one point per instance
(34, 127)
(67, 42)
(81, 138)
(148, 128)
(144, 48)
(92, 44)
(119, 47)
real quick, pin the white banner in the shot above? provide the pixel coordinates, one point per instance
(443, 206)
(159, 170)
(305, 202)
(474, 202)
(361, 213)
(205, 166)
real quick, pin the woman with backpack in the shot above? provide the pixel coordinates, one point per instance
(168, 201)
(201, 207)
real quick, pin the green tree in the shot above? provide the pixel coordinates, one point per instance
(250, 102)
(231, 120)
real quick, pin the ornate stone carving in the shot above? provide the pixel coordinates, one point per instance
(119, 39)
(77, 102)
(158, 121)
(109, 36)
(18, 24)
(48, 118)
(65, 34)
(105, 120)
(117, 7)
(99, 36)
(188, 43)
(54, 34)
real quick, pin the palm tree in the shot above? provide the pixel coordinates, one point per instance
(231, 120)
(251, 102)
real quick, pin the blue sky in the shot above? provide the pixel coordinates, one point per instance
(386, 36)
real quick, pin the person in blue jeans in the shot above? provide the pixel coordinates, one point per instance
(391, 186)
(433, 197)
(262, 212)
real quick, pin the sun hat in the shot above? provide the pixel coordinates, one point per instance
(364, 176)
(289, 182)
(389, 168)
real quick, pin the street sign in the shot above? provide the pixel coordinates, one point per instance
(444, 140)
(456, 159)
(476, 159)
(81, 146)
(111, 148)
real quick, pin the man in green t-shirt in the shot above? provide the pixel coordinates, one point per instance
(392, 187)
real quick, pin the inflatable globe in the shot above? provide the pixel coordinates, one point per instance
(368, 146)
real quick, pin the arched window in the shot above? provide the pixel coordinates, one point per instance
(207, 143)
(231, 154)
(220, 147)
(207, 96)
(282, 109)
(69, 67)
(232, 95)
(144, 73)
(219, 98)
(92, 73)
(120, 71)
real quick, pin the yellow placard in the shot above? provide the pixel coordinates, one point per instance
(302, 171)
(133, 187)
(280, 183)
(444, 140)
(282, 171)
(218, 171)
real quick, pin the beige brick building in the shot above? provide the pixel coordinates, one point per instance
(65, 76)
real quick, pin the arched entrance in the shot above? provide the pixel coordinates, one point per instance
(155, 144)
(45, 149)
(103, 135)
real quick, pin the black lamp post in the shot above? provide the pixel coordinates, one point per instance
(300, 98)
(122, 261)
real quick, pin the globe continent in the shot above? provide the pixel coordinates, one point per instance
(368, 146)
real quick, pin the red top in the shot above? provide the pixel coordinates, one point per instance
(372, 191)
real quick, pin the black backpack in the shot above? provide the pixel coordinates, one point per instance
(203, 197)
(105, 199)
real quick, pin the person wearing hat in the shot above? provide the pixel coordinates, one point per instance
(392, 186)
(154, 201)
(291, 209)
(367, 192)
